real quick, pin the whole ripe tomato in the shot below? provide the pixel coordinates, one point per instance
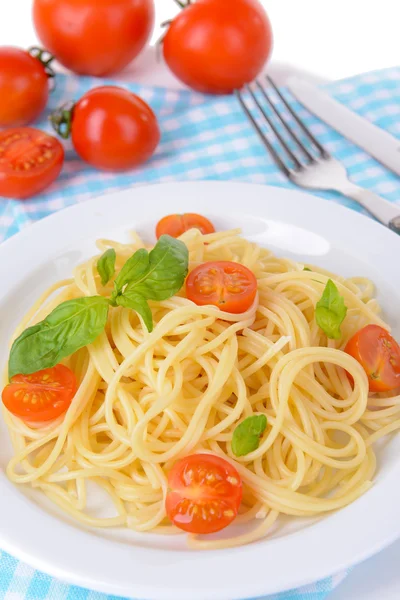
(216, 46)
(30, 160)
(111, 128)
(24, 88)
(94, 37)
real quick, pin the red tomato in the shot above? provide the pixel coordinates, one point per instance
(24, 88)
(111, 128)
(204, 494)
(175, 225)
(228, 285)
(379, 355)
(42, 396)
(217, 46)
(30, 160)
(94, 37)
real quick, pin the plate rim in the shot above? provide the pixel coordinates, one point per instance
(256, 587)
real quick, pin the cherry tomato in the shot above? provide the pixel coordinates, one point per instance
(175, 225)
(216, 47)
(94, 37)
(42, 396)
(24, 88)
(111, 128)
(30, 160)
(228, 285)
(379, 355)
(204, 494)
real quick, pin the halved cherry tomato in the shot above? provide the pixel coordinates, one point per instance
(204, 495)
(175, 225)
(30, 160)
(379, 355)
(42, 396)
(230, 286)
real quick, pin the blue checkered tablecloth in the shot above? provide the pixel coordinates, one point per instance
(202, 138)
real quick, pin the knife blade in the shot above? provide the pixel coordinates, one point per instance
(378, 143)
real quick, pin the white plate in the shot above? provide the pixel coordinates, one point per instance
(155, 567)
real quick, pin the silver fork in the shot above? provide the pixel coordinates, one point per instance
(309, 166)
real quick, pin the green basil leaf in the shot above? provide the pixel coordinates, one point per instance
(157, 275)
(139, 304)
(247, 434)
(307, 269)
(106, 265)
(69, 327)
(330, 311)
(168, 267)
(133, 270)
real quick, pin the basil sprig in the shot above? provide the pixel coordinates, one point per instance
(157, 275)
(247, 434)
(330, 311)
(106, 265)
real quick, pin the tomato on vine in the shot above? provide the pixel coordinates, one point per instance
(111, 128)
(24, 85)
(215, 46)
(94, 37)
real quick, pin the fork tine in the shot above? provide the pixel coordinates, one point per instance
(281, 165)
(292, 134)
(274, 129)
(305, 129)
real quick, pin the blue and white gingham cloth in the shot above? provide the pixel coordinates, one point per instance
(203, 137)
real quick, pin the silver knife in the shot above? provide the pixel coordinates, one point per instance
(384, 147)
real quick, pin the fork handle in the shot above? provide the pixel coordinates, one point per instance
(386, 212)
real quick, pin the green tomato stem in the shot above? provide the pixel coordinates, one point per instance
(61, 119)
(45, 58)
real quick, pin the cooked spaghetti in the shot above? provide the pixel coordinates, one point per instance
(146, 400)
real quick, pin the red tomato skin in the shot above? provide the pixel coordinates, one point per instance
(24, 87)
(94, 37)
(22, 184)
(113, 129)
(216, 46)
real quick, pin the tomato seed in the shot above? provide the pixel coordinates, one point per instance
(232, 480)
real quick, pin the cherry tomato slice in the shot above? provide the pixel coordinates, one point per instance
(230, 286)
(175, 225)
(42, 396)
(204, 495)
(30, 160)
(379, 355)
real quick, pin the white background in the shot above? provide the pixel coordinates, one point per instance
(331, 39)
(323, 39)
